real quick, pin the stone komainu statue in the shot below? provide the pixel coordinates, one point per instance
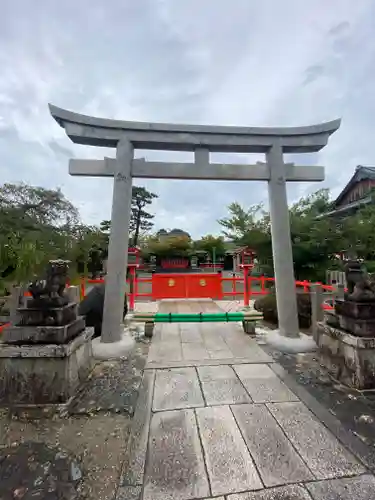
(361, 286)
(364, 291)
(354, 273)
(50, 292)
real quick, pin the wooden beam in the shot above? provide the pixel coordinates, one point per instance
(195, 171)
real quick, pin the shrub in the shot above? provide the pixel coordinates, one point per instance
(267, 306)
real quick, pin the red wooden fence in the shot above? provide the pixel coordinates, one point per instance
(194, 285)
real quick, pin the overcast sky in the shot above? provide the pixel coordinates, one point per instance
(224, 62)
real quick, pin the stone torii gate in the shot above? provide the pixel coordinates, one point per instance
(125, 136)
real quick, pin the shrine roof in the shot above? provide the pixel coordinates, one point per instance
(361, 173)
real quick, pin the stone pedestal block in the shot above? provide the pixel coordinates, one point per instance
(348, 358)
(44, 374)
(35, 316)
(354, 309)
(43, 334)
(331, 319)
(356, 317)
(359, 327)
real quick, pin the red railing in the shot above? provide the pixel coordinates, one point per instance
(133, 294)
(254, 286)
(261, 288)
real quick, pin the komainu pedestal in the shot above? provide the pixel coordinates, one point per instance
(348, 358)
(346, 338)
(47, 354)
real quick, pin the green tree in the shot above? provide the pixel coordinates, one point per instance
(105, 226)
(81, 244)
(315, 238)
(34, 226)
(359, 233)
(241, 221)
(250, 228)
(29, 207)
(140, 220)
(211, 244)
(179, 246)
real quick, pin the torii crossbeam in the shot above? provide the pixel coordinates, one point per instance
(201, 139)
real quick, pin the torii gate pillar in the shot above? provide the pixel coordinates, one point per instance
(282, 245)
(201, 139)
(118, 244)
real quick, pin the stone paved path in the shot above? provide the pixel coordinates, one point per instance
(214, 420)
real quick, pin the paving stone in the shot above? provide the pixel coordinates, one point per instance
(277, 461)
(171, 328)
(133, 468)
(175, 467)
(232, 305)
(177, 388)
(240, 348)
(165, 352)
(156, 338)
(347, 414)
(146, 307)
(321, 451)
(292, 492)
(263, 384)
(221, 386)
(248, 348)
(200, 362)
(168, 336)
(220, 354)
(354, 488)
(229, 464)
(170, 333)
(190, 332)
(234, 334)
(216, 344)
(194, 351)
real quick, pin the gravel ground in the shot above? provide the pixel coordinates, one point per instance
(97, 442)
(77, 453)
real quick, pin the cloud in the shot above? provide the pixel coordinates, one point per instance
(233, 63)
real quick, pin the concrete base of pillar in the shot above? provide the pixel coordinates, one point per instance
(301, 344)
(113, 350)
